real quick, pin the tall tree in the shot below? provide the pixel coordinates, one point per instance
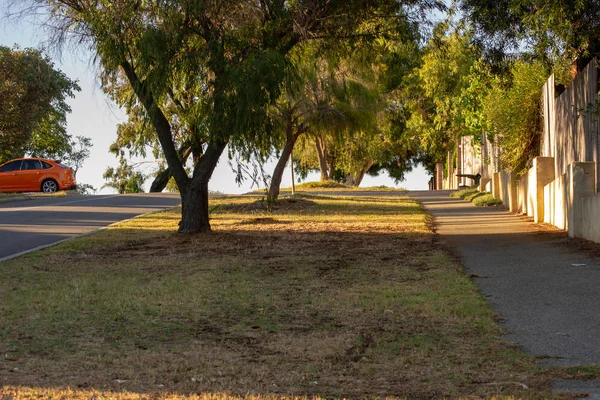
(227, 55)
(433, 94)
(33, 106)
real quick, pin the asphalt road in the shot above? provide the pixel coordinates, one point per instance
(544, 288)
(29, 224)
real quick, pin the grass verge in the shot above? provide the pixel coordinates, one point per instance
(331, 297)
(333, 186)
(478, 198)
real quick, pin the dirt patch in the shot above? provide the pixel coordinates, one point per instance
(284, 204)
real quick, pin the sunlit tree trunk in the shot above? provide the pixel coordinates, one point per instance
(322, 155)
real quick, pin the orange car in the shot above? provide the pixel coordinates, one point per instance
(36, 175)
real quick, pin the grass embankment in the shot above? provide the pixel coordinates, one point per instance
(476, 197)
(324, 297)
(333, 186)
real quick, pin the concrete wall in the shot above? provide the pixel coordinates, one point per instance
(582, 182)
(563, 197)
(522, 195)
(508, 186)
(556, 195)
(541, 174)
(495, 188)
(590, 209)
(483, 184)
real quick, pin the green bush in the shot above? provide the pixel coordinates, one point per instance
(478, 198)
(321, 185)
(486, 199)
(464, 192)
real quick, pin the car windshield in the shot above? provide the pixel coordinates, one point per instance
(62, 165)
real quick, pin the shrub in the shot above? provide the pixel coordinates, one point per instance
(486, 199)
(464, 192)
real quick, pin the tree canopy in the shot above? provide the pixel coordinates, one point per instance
(34, 107)
(227, 56)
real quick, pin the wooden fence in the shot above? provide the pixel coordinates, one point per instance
(571, 128)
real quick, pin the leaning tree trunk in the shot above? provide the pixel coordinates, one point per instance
(280, 167)
(162, 179)
(357, 180)
(194, 191)
(160, 182)
(322, 155)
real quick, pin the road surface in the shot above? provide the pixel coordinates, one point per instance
(30, 224)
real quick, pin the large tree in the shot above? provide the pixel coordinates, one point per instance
(434, 94)
(33, 105)
(227, 55)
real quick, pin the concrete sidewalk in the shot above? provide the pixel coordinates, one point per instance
(546, 292)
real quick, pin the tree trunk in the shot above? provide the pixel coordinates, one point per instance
(331, 164)
(194, 209)
(194, 191)
(280, 167)
(359, 177)
(322, 155)
(194, 195)
(160, 182)
(162, 179)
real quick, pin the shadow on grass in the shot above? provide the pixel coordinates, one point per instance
(355, 303)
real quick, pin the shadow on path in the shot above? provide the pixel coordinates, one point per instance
(546, 293)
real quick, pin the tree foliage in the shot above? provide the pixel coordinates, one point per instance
(124, 178)
(434, 94)
(34, 105)
(513, 110)
(228, 57)
(553, 29)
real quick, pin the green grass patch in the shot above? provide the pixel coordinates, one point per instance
(464, 192)
(320, 185)
(60, 193)
(325, 296)
(333, 186)
(486, 199)
(478, 198)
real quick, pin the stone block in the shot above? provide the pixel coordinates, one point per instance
(582, 184)
(483, 183)
(540, 174)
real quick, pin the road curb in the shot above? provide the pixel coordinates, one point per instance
(16, 198)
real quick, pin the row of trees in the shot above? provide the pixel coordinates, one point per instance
(352, 87)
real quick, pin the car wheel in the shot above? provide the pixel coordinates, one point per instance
(49, 186)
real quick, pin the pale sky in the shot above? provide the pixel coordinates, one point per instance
(95, 116)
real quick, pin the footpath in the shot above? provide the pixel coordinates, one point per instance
(545, 288)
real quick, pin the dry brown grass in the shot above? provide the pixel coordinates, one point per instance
(332, 297)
